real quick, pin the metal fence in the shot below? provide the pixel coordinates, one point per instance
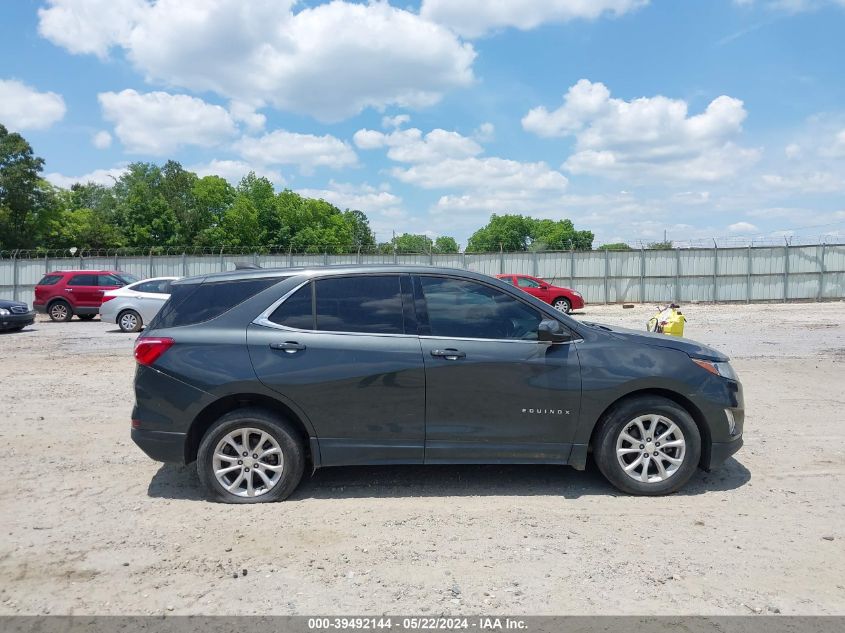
(745, 274)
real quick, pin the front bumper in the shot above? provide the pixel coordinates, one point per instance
(12, 321)
(720, 451)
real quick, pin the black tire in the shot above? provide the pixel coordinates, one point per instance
(86, 317)
(132, 323)
(623, 415)
(60, 311)
(282, 432)
(563, 304)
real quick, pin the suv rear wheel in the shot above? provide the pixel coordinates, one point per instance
(648, 446)
(250, 456)
(60, 311)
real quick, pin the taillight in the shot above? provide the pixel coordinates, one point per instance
(148, 349)
(109, 297)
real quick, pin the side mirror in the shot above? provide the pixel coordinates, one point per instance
(544, 287)
(552, 331)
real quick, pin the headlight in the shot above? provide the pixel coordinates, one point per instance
(720, 369)
(4, 312)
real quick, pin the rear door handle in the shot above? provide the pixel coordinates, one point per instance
(448, 353)
(291, 347)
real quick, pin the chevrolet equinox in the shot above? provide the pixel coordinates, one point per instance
(257, 375)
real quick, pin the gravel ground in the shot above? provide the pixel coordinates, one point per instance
(90, 525)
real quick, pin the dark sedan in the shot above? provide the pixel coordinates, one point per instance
(15, 316)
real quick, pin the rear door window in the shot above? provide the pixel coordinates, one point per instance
(83, 280)
(161, 286)
(367, 303)
(297, 311)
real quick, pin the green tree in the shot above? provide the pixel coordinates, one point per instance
(413, 243)
(506, 232)
(661, 246)
(519, 233)
(177, 189)
(614, 246)
(142, 210)
(213, 196)
(362, 235)
(446, 244)
(83, 217)
(26, 205)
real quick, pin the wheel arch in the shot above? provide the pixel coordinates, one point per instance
(679, 399)
(227, 404)
(58, 299)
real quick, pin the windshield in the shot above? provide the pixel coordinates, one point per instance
(128, 279)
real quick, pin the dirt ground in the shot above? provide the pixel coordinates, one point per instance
(90, 525)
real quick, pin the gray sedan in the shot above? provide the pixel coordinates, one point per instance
(134, 305)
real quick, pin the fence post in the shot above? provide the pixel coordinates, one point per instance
(290, 256)
(501, 259)
(184, 264)
(536, 264)
(358, 259)
(748, 277)
(152, 265)
(715, 272)
(464, 260)
(677, 275)
(222, 266)
(46, 263)
(116, 267)
(821, 273)
(642, 275)
(606, 273)
(571, 268)
(786, 272)
(15, 276)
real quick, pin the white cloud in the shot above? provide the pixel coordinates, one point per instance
(410, 146)
(493, 174)
(308, 151)
(485, 132)
(742, 227)
(89, 26)
(391, 122)
(473, 18)
(105, 177)
(330, 61)
(159, 123)
(805, 182)
(101, 140)
(24, 108)
(247, 114)
(349, 196)
(649, 136)
(234, 170)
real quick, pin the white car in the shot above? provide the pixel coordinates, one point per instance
(130, 307)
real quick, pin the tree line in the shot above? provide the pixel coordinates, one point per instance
(158, 206)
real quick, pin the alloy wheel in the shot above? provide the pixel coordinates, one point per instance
(58, 311)
(248, 462)
(650, 448)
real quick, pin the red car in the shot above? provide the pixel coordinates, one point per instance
(63, 293)
(563, 299)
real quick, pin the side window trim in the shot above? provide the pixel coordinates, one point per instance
(263, 319)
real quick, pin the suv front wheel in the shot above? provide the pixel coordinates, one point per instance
(250, 456)
(648, 446)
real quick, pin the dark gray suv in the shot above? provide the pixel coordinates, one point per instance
(258, 374)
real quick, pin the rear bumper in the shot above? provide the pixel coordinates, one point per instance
(40, 308)
(12, 321)
(162, 446)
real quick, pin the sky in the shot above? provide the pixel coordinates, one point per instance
(698, 118)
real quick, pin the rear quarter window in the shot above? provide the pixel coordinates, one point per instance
(49, 280)
(196, 303)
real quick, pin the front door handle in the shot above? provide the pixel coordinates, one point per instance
(448, 353)
(290, 347)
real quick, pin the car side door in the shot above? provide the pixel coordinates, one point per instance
(494, 392)
(83, 291)
(533, 287)
(150, 297)
(345, 351)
